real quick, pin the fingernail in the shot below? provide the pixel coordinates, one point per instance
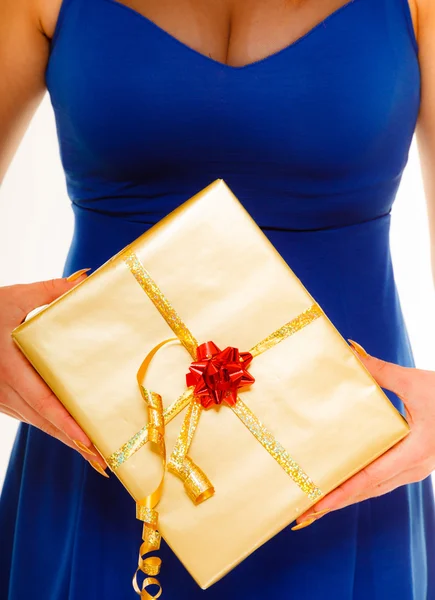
(98, 468)
(314, 516)
(83, 448)
(318, 513)
(303, 524)
(358, 347)
(77, 274)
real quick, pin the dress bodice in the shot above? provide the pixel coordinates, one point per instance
(313, 136)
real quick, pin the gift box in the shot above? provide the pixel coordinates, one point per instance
(212, 382)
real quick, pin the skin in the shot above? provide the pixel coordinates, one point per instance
(23, 394)
(235, 33)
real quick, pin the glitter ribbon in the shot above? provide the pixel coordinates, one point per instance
(154, 433)
(196, 483)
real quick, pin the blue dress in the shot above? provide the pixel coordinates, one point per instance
(313, 140)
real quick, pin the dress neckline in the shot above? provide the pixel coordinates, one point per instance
(212, 61)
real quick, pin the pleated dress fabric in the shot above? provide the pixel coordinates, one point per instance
(313, 140)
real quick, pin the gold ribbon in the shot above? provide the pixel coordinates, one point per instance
(196, 483)
(154, 433)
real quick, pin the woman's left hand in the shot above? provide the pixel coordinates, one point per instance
(410, 460)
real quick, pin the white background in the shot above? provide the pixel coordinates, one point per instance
(36, 229)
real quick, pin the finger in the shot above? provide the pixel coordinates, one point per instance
(382, 488)
(45, 426)
(409, 476)
(11, 413)
(392, 463)
(22, 411)
(32, 388)
(396, 378)
(31, 295)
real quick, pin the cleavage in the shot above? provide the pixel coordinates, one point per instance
(236, 32)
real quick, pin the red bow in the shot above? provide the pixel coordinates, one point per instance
(217, 374)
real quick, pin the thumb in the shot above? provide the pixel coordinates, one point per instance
(39, 293)
(388, 375)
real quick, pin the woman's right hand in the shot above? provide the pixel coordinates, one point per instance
(26, 27)
(23, 393)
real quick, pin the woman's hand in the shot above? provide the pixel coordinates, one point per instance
(410, 460)
(23, 393)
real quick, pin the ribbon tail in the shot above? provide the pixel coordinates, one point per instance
(153, 432)
(196, 483)
(150, 566)
(151, 538)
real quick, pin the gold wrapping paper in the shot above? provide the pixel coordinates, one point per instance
(228, 284)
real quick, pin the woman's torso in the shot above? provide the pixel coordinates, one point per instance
(320, 125)
(310, 124)
(313, 137)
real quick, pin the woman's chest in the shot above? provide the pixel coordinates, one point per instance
(136, 108)
(232, 32)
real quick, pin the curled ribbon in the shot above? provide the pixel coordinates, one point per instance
(214, 377)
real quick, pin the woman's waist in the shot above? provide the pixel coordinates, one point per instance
(347, 270)
(288, 202)
(351, 261)
(98, 236)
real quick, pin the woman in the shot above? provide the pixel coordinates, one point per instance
(307, 110)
